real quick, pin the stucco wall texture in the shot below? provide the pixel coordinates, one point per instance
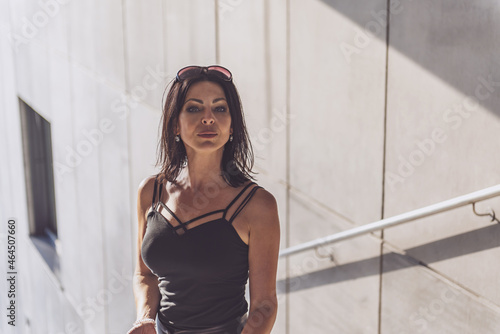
(355, 116)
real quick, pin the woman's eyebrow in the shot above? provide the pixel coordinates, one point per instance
(195, 100)
(201, 102)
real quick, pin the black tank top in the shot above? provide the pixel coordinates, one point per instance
(202, 268)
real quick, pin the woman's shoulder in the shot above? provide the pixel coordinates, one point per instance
(145, 192)
(147, 184)
(263, 199)
(263, 202)
(262, 212)
(147, 188)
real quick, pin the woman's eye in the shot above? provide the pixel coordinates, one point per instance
(220, 109)
(192, 109)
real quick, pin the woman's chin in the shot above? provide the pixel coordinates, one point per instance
(206, 146)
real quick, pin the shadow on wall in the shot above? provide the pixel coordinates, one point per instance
(461, 244)
(453, 40)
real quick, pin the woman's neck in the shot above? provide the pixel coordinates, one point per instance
(202, 171)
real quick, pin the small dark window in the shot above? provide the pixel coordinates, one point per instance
(37, 151)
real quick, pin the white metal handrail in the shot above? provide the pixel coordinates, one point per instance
(453, 203)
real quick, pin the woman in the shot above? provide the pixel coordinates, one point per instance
(204, 226)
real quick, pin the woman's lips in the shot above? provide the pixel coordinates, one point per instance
(207, 135)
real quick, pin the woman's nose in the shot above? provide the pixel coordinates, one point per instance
(208, 118)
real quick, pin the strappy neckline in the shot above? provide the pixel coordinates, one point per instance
(184, 225)
(193, 219)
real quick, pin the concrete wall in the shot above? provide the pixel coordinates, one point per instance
(354, 117)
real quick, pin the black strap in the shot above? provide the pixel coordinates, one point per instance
(154, 192)
(235, 199)
(159, 194)
(244, 203)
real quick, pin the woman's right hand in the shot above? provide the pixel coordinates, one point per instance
(147, 328)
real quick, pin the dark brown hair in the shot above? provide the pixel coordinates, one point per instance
(237, 160)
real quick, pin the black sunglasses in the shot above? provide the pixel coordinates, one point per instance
(215, 70)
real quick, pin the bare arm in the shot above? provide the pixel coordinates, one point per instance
(263, 262)
(145, 283)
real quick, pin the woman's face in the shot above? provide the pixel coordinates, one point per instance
(204, 120)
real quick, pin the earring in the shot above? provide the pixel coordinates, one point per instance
(177, 138)
(231, 138)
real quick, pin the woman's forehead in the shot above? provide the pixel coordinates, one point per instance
(201, 89)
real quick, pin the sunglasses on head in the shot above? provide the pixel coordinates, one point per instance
(215, 70)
